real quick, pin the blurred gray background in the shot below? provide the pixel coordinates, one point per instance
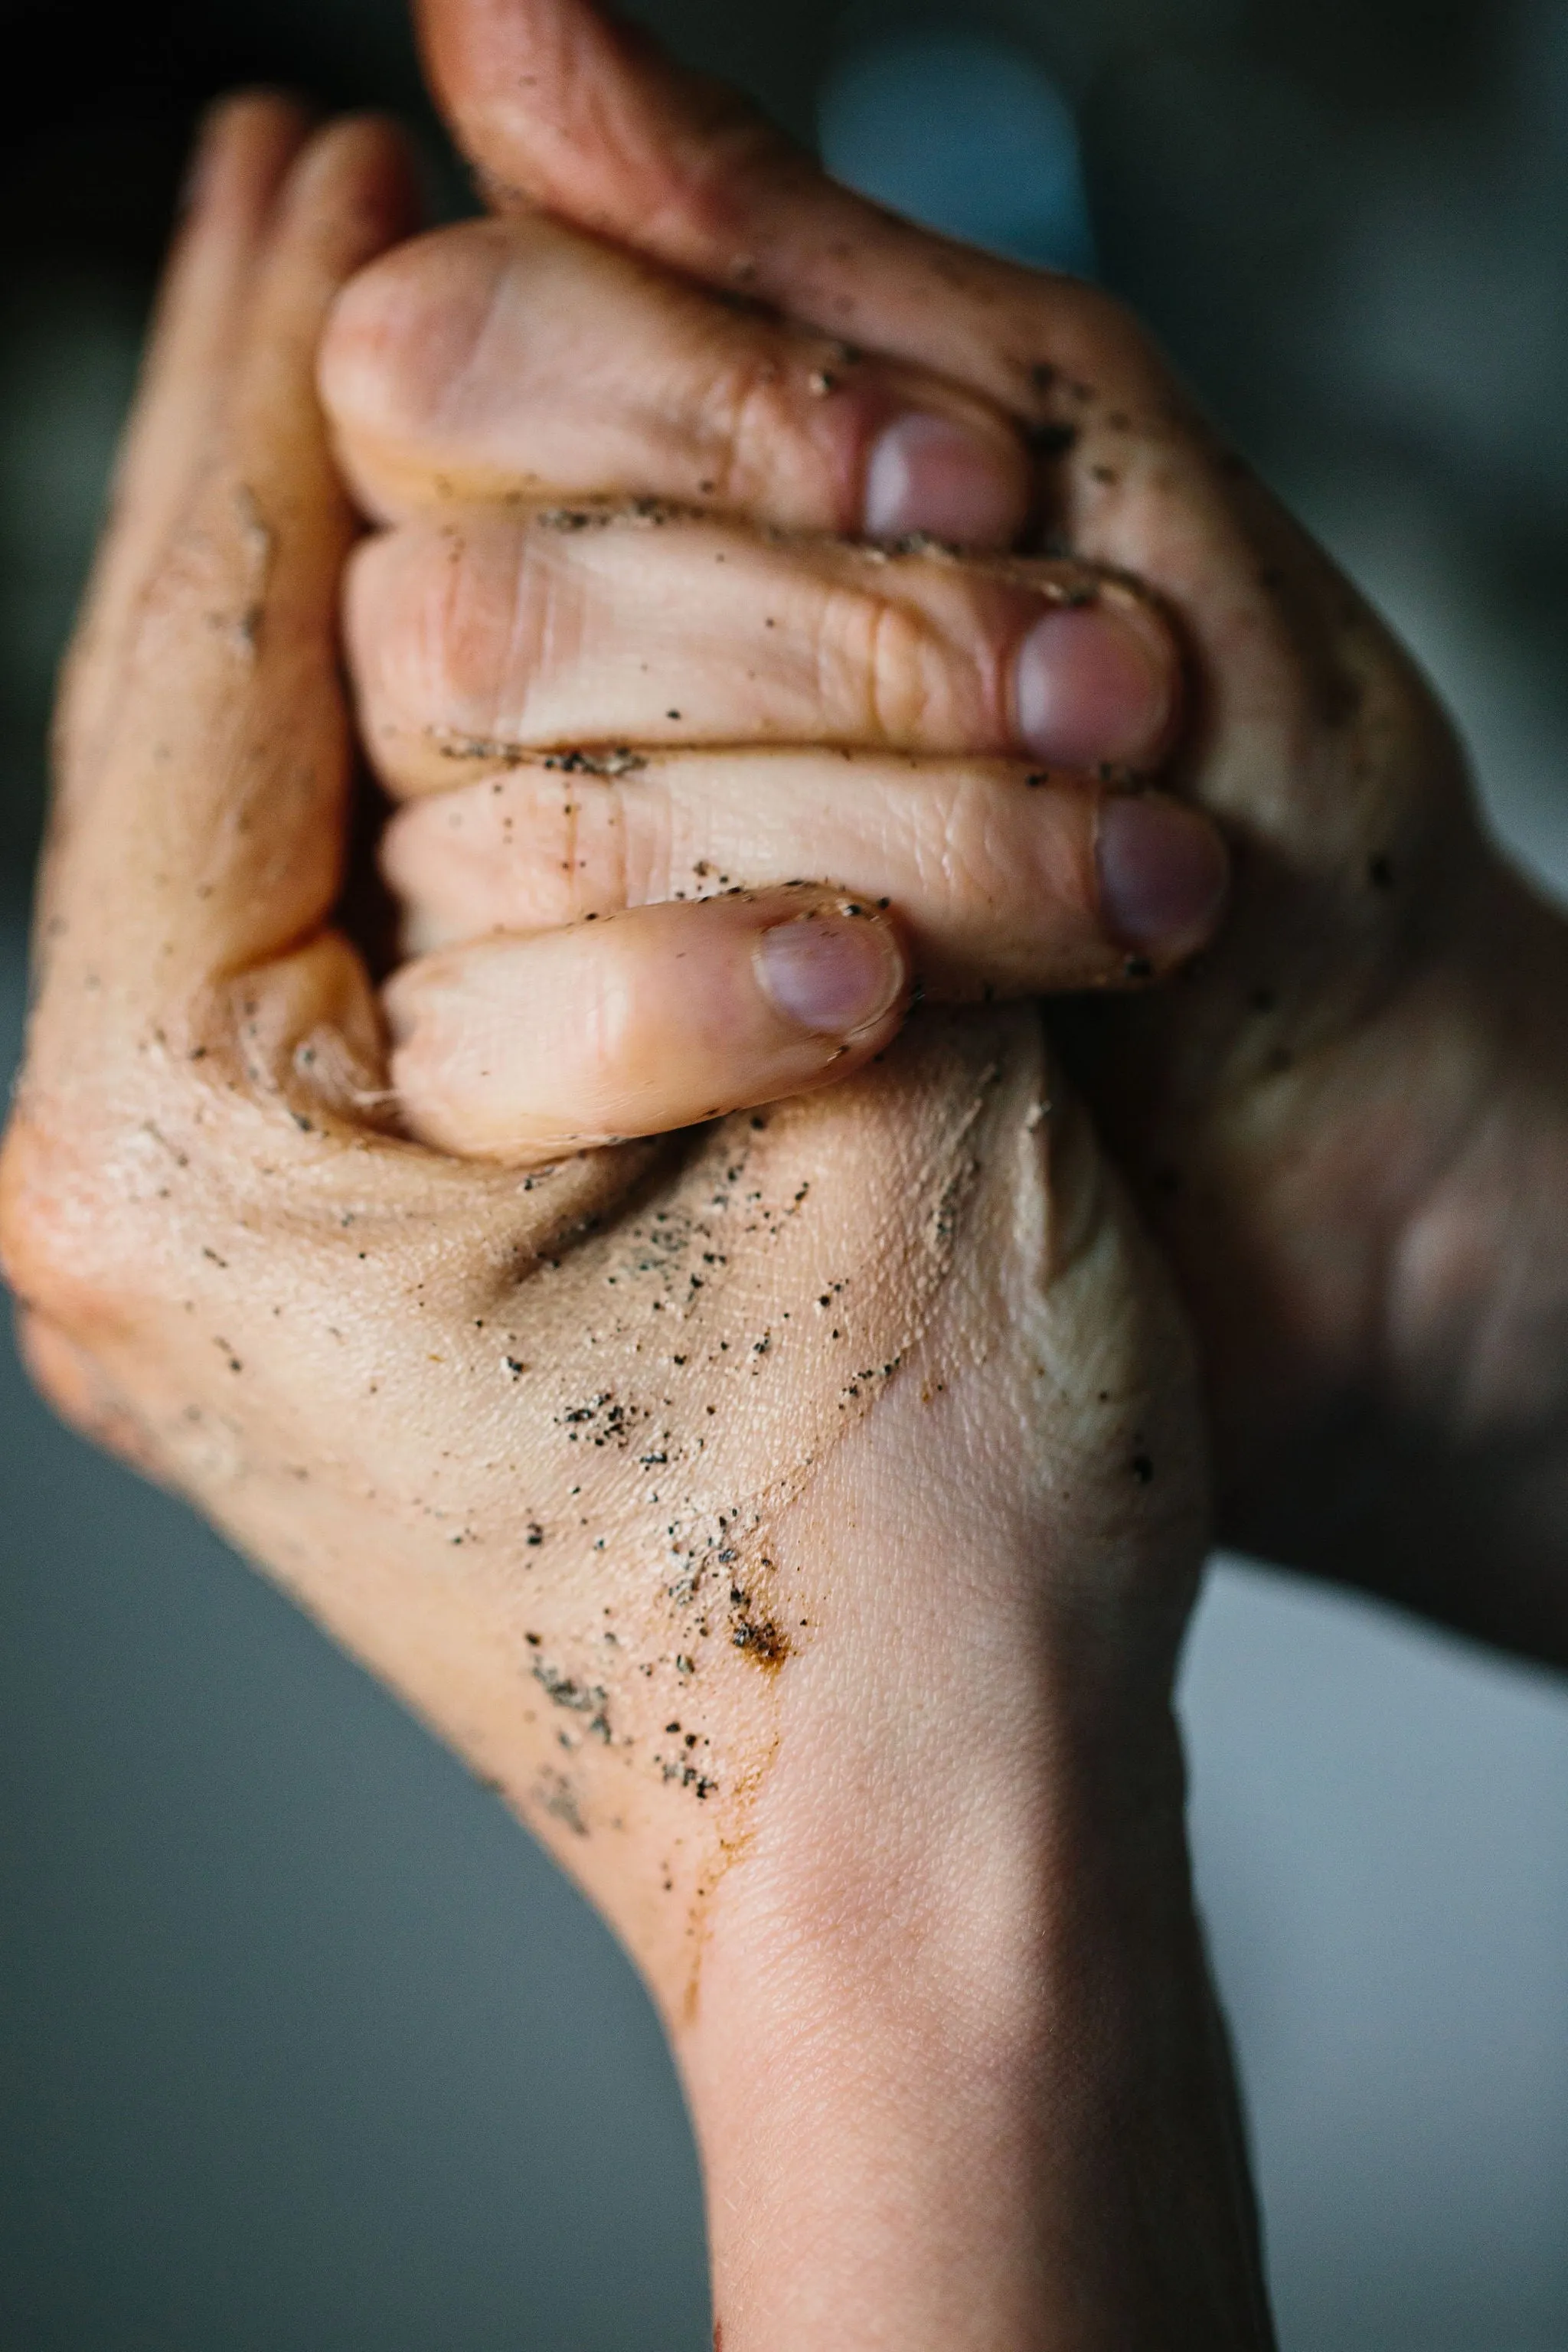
(303, 2048)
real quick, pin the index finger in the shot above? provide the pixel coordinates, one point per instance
(499, 358)
(208, 835)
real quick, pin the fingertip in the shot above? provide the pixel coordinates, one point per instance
(947, 478)
(837, 969)
(243, 144)
(1097, 684)
(1163, 874)
(556, 103)
(356, 367)
(398, 339)
(355, 184)
(498, 72)
(351, 192)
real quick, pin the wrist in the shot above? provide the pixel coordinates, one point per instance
(957, 2080)
(951, 2050)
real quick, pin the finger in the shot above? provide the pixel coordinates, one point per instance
(523, 1049)
(1009, 883)
(215, 839)
(245, 147)
(500, 635)
(504, 356)
(559, 107)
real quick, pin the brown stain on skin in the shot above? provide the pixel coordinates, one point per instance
(606, 1376)
(734, 1843)
(428, 1368)
(761, 1641)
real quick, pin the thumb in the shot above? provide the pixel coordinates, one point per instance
(525, 1048)
(558, 106)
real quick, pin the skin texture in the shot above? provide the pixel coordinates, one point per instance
(496, 637)
(794, 1521)
(1349, 1122)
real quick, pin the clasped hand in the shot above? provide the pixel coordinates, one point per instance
(796, 1517)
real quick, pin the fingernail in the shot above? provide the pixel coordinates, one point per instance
(1163, 873)
(1088, 688)
(927, 473)
(832, 973)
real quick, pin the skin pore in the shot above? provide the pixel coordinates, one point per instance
(796, 1520)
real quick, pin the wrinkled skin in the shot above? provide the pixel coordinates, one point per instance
(1349, 1122)
(795, 1522)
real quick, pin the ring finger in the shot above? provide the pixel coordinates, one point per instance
(1005, 883)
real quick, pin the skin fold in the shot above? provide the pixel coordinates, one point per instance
(492, 637)
(795, 1520)
(1348, 1121)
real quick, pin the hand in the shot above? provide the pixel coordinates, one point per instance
(1351, 1123)
(796, 1522)
(567, 620)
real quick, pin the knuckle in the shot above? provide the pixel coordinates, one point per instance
(525, 852)
(107, 1178)
(851, 649)
(639, 839)
(443, 622)
(764, 456)
(403, 333)
(609, 1046)
(1108, 345)
(1103, 317)
(918, 663)
(62, 1250)
(907, 690)
(964, 849)
(601, 841)
(742, 421)
(712, 189)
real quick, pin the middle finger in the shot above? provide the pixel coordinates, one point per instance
(494, 635)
